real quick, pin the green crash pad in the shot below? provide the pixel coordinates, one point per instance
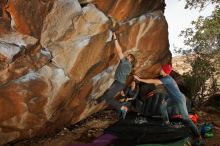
(183, 142)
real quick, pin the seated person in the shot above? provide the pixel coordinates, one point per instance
(131, 92)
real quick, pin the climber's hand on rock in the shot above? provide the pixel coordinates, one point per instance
(114, 36)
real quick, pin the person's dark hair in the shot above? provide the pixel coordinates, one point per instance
(136, 85)
(133, 61)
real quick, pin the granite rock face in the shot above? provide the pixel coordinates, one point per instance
(57, 55)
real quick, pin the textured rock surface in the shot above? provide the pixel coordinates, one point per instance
(56, 55)
(181, 64)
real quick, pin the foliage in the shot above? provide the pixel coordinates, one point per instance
(202, 70)
(203, 42)
(204, 38)
(201, 4)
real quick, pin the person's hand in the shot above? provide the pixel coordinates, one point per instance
(114, 36)
(137, 77)
(122, 93)
(151, 93)
(129, 99)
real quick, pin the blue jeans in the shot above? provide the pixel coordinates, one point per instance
(182, 109)
(109, 95)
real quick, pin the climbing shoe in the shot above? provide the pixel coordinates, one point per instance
(123, 113)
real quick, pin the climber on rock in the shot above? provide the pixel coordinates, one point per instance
(175, 97)
(123, 70)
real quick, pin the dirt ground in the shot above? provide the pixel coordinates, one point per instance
(82, 132)
(213, 118)
(92, 127)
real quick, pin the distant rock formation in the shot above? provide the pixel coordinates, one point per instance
(181, 64)
(56, 55)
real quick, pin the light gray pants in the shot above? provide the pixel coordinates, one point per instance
(182, 108)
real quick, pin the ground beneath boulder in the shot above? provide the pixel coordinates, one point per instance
(92, 127)
(82, 132)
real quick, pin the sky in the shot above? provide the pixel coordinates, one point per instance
(179, 18)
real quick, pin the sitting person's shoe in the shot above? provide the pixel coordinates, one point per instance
(198, 142)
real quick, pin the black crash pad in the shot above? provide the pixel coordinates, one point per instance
(153, 131)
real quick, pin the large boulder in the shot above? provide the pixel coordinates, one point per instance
(57, 55)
